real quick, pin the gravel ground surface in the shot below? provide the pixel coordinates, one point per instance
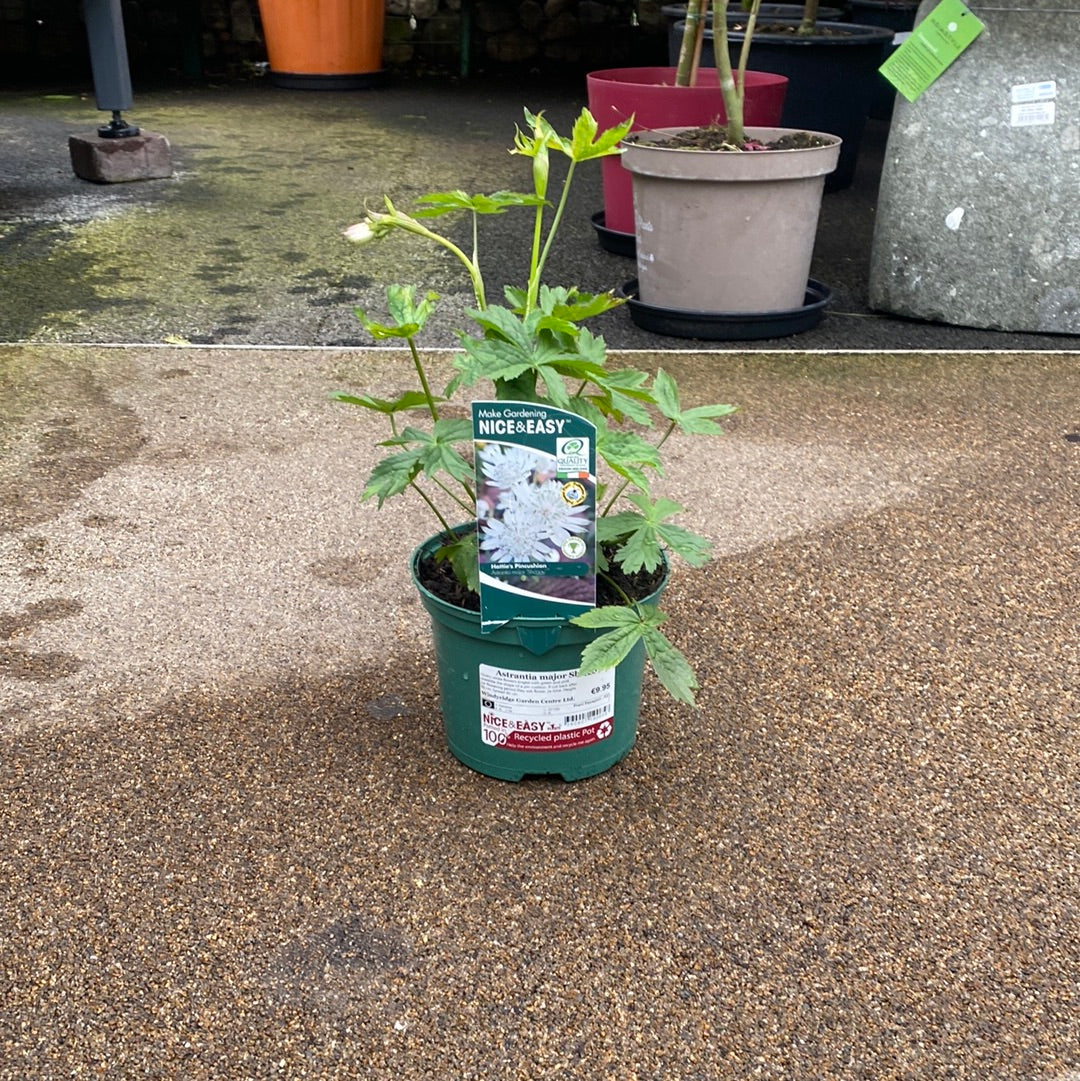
(232, 843)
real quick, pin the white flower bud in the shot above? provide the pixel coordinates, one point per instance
(361, 232)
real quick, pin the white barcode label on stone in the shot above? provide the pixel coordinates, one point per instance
(1032, 113)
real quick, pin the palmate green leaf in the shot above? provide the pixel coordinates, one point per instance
(513, 345)
(643, 536)
(670, 665)
(411, 399)
(392, 476)
(621, 395)
(611, 615)
(556, 300)
(613, 527)
(640, 549)
(402, 304)
(545, 137)
(462, 556)
(489, 358)
(381, 331)
(628, 455)
(689, 546)
(575, 305)
(609, 649)
(505, 324)
(436, 451)
(628, 627)
(409, 314)
(698, 420)
(437, 203)
(651, 531)
(586, 143)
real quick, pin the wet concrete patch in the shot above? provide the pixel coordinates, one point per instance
(59, 429)
(330, 968)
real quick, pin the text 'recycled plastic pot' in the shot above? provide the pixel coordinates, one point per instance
(512, 701)
(324, 44)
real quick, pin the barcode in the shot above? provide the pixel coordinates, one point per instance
(591, 715)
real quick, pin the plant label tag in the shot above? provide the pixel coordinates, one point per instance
(931, 47)
(545, 711)
(535, 511)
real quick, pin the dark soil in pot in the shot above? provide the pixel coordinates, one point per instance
(714, 137)
(439, 579)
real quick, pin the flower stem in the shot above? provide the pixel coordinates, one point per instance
(534, 281)
(427, 499)
(626, 481)
(422, 375)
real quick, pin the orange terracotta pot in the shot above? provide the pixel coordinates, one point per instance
(323, 44)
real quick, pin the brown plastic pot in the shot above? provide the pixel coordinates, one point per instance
(726, 231)
(323, 44)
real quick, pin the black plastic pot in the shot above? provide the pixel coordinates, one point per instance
(832, 78)
(898, 16)
(895, 14)
(676, 13)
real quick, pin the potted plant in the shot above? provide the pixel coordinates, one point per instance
(683, 93)
(674, 16)
(323, 44)
(726, 218)
(543, 586)
(832, 71)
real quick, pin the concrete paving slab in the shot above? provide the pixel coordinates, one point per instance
(243, 245)
(234, 844)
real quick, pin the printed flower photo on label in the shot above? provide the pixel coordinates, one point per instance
(533, 526)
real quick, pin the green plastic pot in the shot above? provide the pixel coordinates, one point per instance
(512, 702)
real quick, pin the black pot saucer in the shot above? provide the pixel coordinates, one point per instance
(616, 243)
(728, 326)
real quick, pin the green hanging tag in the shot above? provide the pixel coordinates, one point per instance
(931, 47)
(536, 511)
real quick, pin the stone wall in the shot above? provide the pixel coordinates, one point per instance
(222, 38)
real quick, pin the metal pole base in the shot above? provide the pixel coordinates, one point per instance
(117, 128)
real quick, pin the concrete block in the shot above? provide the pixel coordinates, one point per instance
(145, 156)
(977, 221)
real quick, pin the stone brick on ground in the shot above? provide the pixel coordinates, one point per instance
(145, 156)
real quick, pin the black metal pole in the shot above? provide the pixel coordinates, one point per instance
(109, 63)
